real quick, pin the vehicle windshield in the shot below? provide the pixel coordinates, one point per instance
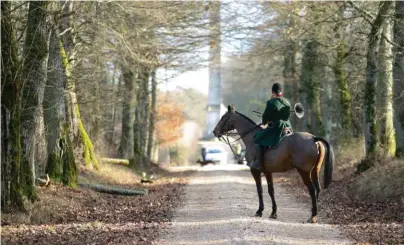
(214, 151)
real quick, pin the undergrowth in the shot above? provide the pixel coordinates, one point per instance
(383, 181)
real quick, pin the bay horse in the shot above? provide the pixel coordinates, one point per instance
(302, 151)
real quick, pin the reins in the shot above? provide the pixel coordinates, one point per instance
(227, 141)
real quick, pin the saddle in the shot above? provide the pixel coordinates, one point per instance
(285, 132)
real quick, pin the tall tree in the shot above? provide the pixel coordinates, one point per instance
(290, 76)
(311, 89)
(374, 38)
(126, 147)
(11, 101)
(74, 124)
(35, 71)
(152, 118)
(398, 73)
(53, 104)
(341, 77)
(142, 115)
(385, 84)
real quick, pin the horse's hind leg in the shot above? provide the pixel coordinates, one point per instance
(270, 182)
(310, 186)
(257, 177)
(315, 172)
(315, 177)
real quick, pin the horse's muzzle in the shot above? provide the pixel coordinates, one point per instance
(216, 134)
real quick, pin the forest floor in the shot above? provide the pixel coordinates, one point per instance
(364, 219)
(81, 216)
(213, 205)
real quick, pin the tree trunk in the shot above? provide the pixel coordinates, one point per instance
(327, 100)
(73, 118)
(341, 80)
(126, 148)
(137, 158)
(398, 73)
(54, 110)
(76, 131)
(344, 94)
(152, 117)
(145, 109)
(141, 120)
(35, 66)
(371, 78)
(5, 178)
(385, 83)
(117, 96)
(311, 87)
(11, 99)
(95, 113)
(290, 80)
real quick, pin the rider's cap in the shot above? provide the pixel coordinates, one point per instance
(277, 88)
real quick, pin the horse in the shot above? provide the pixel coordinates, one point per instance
(301, 150)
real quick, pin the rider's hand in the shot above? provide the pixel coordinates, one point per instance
(262, 125)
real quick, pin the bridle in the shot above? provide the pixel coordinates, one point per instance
(226, 140)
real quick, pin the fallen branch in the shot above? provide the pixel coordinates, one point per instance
(124, 162)
(114, 190)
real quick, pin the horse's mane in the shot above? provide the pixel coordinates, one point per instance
(249, 119)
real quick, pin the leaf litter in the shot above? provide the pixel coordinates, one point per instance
(80, 216)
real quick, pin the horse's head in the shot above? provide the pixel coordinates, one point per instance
(226, 123)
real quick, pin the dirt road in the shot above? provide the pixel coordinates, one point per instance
(219, 206)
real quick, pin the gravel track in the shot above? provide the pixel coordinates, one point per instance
(219, 206)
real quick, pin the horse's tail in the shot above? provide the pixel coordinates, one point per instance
(329, 161)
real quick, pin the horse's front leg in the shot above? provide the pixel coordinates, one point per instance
(270, 182)
(257, 177)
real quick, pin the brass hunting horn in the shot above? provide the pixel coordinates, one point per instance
(298, 110)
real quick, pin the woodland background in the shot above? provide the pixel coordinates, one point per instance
(79, 81)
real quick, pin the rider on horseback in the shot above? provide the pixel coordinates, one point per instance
(276, 115)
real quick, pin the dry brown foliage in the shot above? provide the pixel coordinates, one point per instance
(169, 122)
(78, 216)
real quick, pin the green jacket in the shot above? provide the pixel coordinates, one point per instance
(276, 114)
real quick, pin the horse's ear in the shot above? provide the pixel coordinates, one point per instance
(233, 108)
(228, 108)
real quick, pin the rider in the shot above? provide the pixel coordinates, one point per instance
(276, 115)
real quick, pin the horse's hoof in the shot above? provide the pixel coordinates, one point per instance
(312, 220)
(273, 216)
(258, 214)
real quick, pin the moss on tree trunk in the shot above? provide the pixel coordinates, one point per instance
(344, 94)
(53, 110)
(371, 79)
(73, 115)
(11, 99)
(69, 177)
(311, 86)
(34, 72)
(88, 149)
(398, 74)
(385, 85)
(16, 197)
(54, 166)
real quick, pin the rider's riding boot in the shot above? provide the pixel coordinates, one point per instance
(261, 157)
